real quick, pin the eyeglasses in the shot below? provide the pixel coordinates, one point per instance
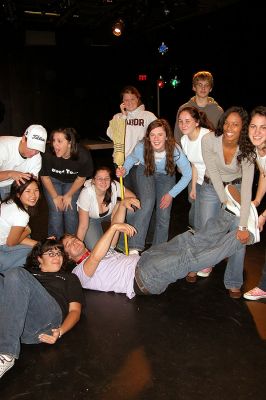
(53, 254)
(103, 179)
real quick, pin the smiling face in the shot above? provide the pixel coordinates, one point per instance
(30, 195)
(232, 128)
(257, 130)
(102, 180)
(74, 247)
(187, 124)
(131, 101)
(61, 145)
(51, 260)
(158, 138)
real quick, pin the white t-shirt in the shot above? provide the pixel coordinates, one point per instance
(10, 159)
(115, 273)
(261, 161)
(87, 199)
(192, 149)
(11, 215)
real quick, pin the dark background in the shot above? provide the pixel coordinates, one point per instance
(76, 82)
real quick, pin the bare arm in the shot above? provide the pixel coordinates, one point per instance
(17, 234)
(193, 193)
(83, 223)
(69, 322)
(119, 213)
(103, 245)
(261, 190)
(18, 176)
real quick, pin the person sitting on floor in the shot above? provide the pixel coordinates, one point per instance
(160, 265)
(15, 212)
(97, 203)
(39, 305)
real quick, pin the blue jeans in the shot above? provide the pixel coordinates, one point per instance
(130, 181)
(4, 192)
(209, 207)
(60, 222)
(13, 256)
(151, 189)
(26, 311)
(167, 262)
(95, 231)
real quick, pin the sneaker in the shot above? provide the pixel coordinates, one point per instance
(255, 294)
(233, 205)
(6, 362)
(204, 273)
(134, 252)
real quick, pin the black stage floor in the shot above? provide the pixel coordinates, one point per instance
(192, 342)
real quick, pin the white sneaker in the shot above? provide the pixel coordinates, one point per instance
(133, 252)
(204, 273)
(255, 294)
(6, 362)
(233, 205)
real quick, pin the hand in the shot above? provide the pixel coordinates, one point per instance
(123, 109)
(50, 339)
(261, 222)
(256, 203)
(193, 194)
(131, 203)
(242, 236)
(125, 228)
(58, 202)
(66, 199)
(20, 177)
(166, 201)
(120, 171)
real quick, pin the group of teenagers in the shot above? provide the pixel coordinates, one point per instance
(211, 152)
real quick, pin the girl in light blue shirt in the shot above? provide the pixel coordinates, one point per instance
(158, 156)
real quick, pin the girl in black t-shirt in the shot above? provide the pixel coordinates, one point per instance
(65, 167)
(40, 306)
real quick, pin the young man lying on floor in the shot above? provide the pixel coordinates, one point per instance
(151, 273)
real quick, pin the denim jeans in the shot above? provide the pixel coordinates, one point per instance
(60, 222)
(13, 256)
(130, 181)
(26, 311)
(167, 262)
(4, 192)
(209, 207)
(95, 231)
(151, 190)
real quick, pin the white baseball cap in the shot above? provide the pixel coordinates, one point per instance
(36, 137)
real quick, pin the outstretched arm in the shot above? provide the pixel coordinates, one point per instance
(103, 245)
(71, 319)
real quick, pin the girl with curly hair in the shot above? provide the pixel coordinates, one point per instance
(158, 156)
(229, 157)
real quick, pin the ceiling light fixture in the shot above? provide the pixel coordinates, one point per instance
(118, 27)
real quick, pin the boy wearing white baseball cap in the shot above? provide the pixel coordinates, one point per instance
(20, 157)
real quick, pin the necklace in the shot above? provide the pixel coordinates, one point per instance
(85, 255)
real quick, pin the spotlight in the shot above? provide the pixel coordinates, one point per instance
(118, 27)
